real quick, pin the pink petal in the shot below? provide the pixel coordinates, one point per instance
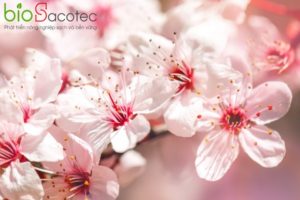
(20, 181)
(263, 145)
(268, 102)
(57, 192)
(104, 184)
(215, 155)
(76, 150)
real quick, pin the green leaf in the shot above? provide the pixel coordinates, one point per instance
(19, 6)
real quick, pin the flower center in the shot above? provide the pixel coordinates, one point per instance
(119, 114)
(27, 112)
(233, 120)
(280, 56)
(104, 20)
(78, 182)
(65, 81)
(184, 75)
(9, 152)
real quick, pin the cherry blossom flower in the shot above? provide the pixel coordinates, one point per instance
(77, 177)
(272, 52)
(28, 97)
(239, 118)
(19, 179)
(119, 112)
(85, 68)
(189, 63)
(272, 56)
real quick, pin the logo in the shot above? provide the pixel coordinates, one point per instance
(41, 14)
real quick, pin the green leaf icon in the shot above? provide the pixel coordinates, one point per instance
(19, 6)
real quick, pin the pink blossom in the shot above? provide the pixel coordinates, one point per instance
(119, 112)
(273, 52)
(77, 176)
(188, 62)
(19, 179)
(80, 69)
(28, 97)
(238, 118)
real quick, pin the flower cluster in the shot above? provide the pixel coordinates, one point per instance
(73, 110)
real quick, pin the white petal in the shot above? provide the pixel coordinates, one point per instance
(268, 102)
(47, 83)
(76, 108)
(121, 141)
(182, 114)
(104, 184)
(41, 120)
(91, 63)
(152, 93)
(263, 145)
(145, 45)
(215, 155)
(20, 181)
(97, 135)
(127, 136)
(204, 34)
(43, 148)
(139, 126)
(219, 74)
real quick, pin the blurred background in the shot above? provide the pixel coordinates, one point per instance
(170, 172)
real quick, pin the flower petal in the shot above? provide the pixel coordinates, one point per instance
(263, 145)
(268, 102)
(149, 55)
(97, 135)
(104, 184)
(91, 62)
(127, 136)
(152, 93)
(56, 188)
(76, 150)
(215, 155)
(139, 126)
(41, 120)
(42, 149)
(20, 181)
(47, 83)
(182, 114)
